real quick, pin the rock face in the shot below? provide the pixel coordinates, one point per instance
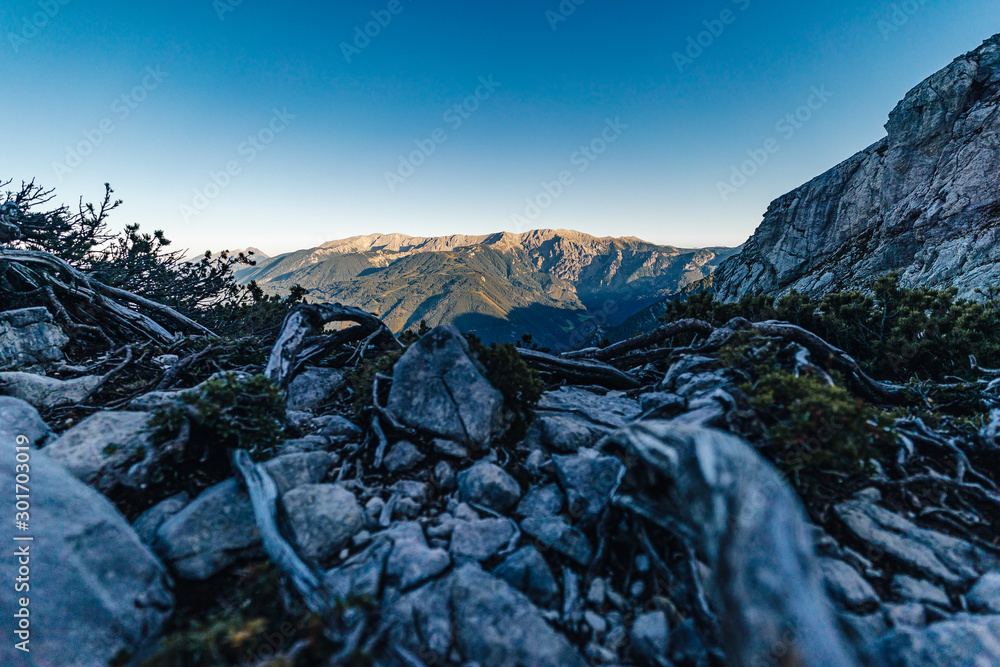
(924, 201)
(95, 589)
(29, 339)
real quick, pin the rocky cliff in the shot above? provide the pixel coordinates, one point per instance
(924, 201)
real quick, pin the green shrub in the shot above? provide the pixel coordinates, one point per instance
(520, 385)
(894, 333)
(360, 379)
(231, 412)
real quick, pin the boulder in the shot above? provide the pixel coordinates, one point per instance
(17, 418)
(848, 588)
(481, 539)
(589, 479)
(527, 571)
(985, 595)
(412, 561)
(95, 588)
(403, 456)
(650, 635)
(438, 388)
(489, 623)
(30, 340)
(314, 385)
(554, 532)
(911, 589)
(488, 485)
(324, 518)
(45, 393)
(107, 450)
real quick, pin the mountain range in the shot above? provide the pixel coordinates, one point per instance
(559, 285)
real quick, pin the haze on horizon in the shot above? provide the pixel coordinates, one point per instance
(227, 123)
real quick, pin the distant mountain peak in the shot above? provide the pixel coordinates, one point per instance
(495, 285)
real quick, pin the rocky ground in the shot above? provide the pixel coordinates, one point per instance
(632, 515)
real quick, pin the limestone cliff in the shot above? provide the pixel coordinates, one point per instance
(924, 201)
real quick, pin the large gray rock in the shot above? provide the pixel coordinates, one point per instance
(555, 533)
(948, 644)
(106, 450)
(938, 557)
(847, 587)
(478, 619)
(95, 589)
(488, 485)
(527, 571)
(498, 625)
(650, 635)
(44, 392)
(29, 339)
(985, 595)
(589, 480)
(481, 539)
(438, 388)
(412, 561)
(218, 527)
(924, 201)
(911, 589)
(313, 386)
(17, 418)
(362, 573)
(324, 518)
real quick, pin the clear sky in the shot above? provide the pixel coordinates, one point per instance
(230, 123)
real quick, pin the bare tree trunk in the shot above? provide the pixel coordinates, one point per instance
(295, 345)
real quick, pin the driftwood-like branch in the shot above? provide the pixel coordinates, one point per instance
(988, 372)
(44, 271)
(264, 499)
(739, 513)
(824, 353)
(654, 337)
(579, 371)
(296, 345)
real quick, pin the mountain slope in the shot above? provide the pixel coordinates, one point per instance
(557, 284)
(924, 201)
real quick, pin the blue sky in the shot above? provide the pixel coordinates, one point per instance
(229, 123)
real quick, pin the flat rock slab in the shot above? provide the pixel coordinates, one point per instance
(939, 557)
(612, 410)
(44, 392)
